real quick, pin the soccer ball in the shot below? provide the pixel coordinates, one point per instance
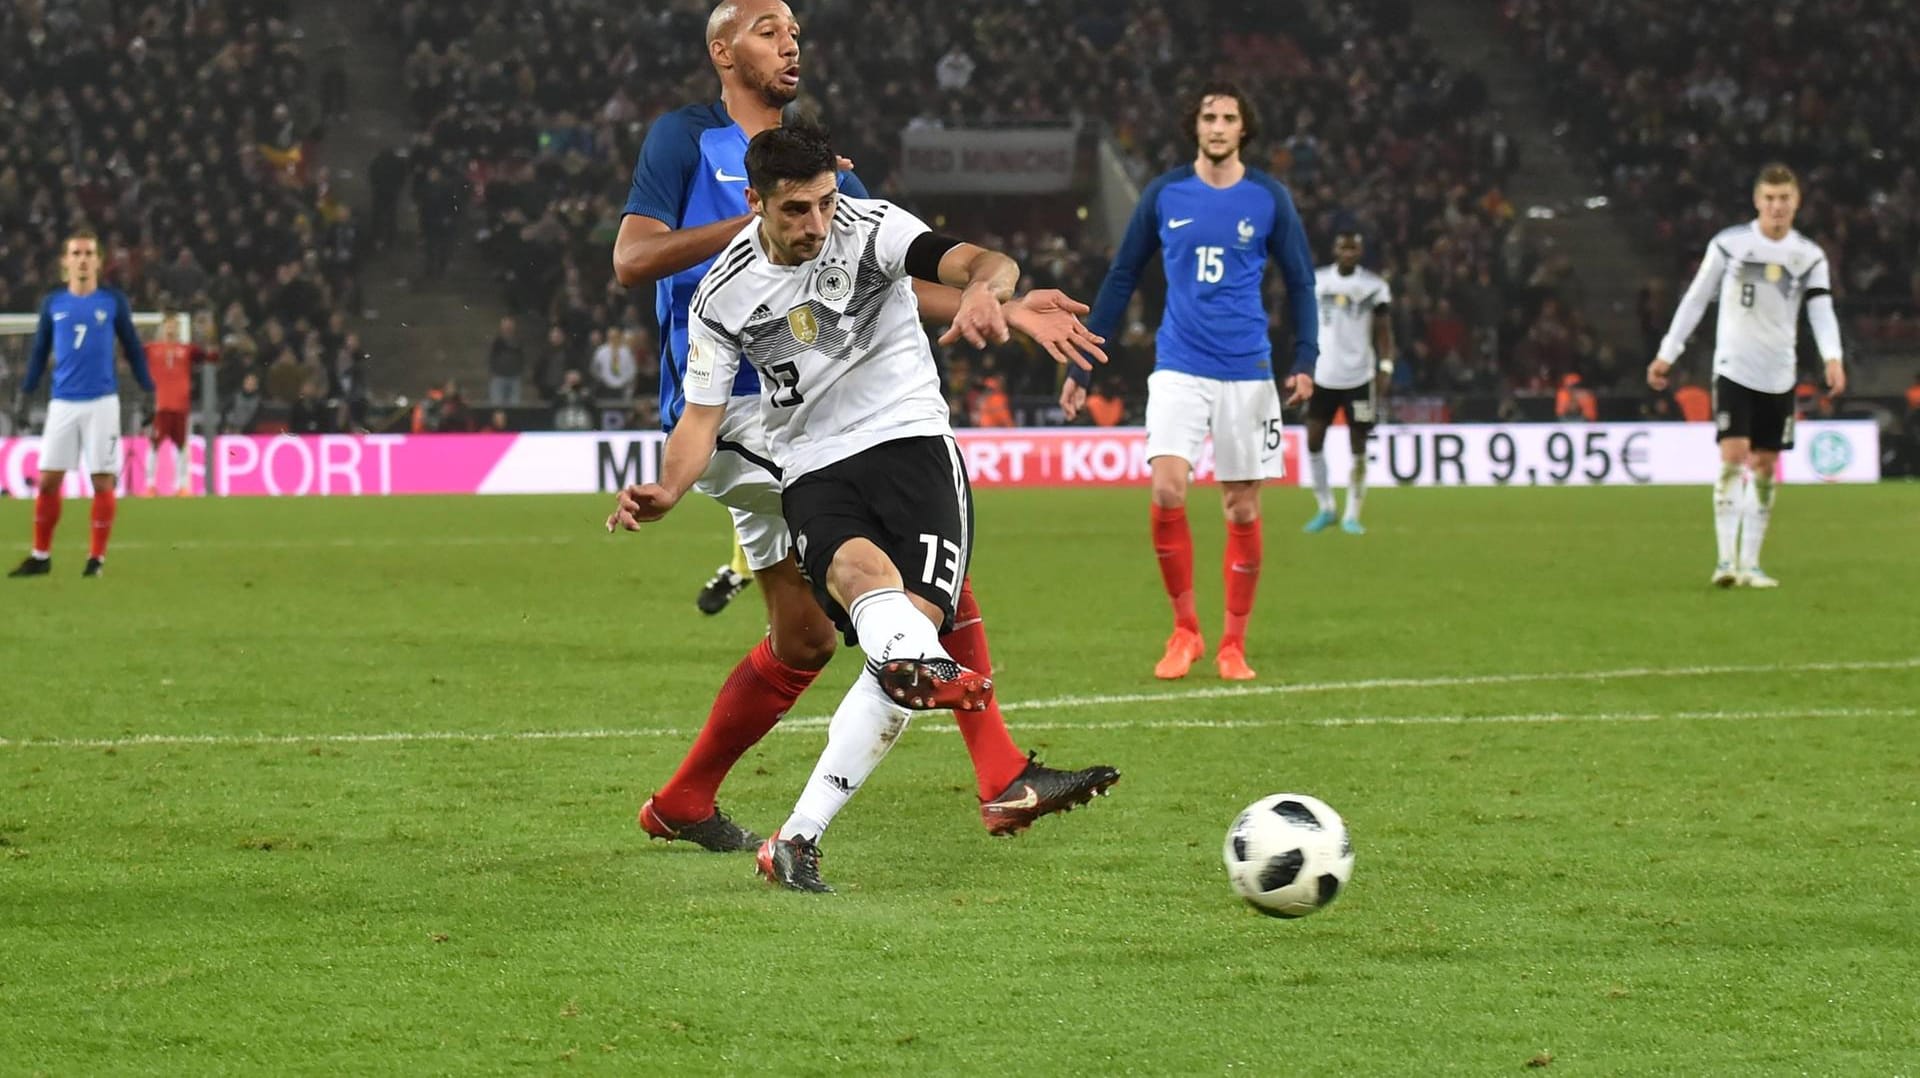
(1288, 855)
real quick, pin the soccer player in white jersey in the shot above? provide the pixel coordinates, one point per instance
(1761, 272)
(688, 201)
(79, 325)
(1356, 359)
(816, 293)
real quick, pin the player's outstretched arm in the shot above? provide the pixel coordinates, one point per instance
(689, 451)
(1136, 249)
(1693, 306)
(986, 280)
(1047, 315)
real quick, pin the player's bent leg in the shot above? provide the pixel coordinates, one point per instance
(755, 697)
(996, 759)
(1240, 573)
(1015, 788)
(899, 632)
(1173, 549)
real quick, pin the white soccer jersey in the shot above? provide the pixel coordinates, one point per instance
(1761, 284)
(1347, 305)
(843, 362)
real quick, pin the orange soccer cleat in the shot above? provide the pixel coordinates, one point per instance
(1184, 648)
(1232, 661)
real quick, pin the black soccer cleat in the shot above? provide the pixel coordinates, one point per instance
(721, 589)
(717, 832)
(1040, 791)
(934, 685)
(793, 864)
(32, 566)
(94, 567)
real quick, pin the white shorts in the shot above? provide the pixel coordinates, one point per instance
(1243, 417)
(743, 478)
(82, 432)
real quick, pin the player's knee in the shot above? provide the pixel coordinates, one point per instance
(1242, 505)
(803, 647)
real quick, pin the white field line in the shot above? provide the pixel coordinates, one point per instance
(807, 724)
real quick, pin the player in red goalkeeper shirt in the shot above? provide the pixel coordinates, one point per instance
(171, 360)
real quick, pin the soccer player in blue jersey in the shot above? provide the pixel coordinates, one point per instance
(78, 327)
(688, 200)
(1216, 224)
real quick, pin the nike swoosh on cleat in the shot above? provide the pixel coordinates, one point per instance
(1179, 222)
(1027, 802)
(721, 175)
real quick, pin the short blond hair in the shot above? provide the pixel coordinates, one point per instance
(1775, 173)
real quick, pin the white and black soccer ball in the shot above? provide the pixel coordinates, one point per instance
(1288, 855)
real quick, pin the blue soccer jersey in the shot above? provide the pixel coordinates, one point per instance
(77, 333)
(1215, 244)
(693, 172)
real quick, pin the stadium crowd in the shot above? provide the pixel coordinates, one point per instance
(538, 110)
(181, 134)
(1828, 86)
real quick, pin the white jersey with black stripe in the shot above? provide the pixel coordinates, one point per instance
(1761, 284)
(1347, 304)
(844, 365)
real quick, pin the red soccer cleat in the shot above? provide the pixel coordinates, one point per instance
(1233, 665)
(934, 685)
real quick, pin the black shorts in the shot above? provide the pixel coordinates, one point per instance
(1766, 419)
(908, 497)
(1360, 403)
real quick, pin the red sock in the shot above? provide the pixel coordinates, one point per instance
(1242, 572)
(997, 761)
(755, 697)
(46, 513)
(103, 506)
(1173, 545)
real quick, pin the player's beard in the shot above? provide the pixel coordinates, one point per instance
(1221, 157)
(774, 94)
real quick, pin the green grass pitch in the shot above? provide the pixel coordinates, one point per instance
(347, 787)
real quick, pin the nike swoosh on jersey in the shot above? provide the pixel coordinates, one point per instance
(59, 316)
(721, 175)
(1179, 222)
(1030, 800)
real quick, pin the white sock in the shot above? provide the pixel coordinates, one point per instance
(173, 458)
(1756, 513)
(1728, 492)
(1322, 490)
(182, 461)
(891, 627)
(863, 730)
(1356, 488)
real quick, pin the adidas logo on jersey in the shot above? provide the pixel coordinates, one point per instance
(760, 314)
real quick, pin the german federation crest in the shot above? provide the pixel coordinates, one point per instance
(1830, 454)
(833, 284)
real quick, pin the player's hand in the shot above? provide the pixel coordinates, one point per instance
(1073, 397)
(1657, 373)
(1836, 378)
(980, 321)
(1301, 386)
(640, 504)
(843, 164)
(1051, 318)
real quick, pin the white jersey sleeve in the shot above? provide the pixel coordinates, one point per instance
(1693, 305)
(713, 359)
(896, 232)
